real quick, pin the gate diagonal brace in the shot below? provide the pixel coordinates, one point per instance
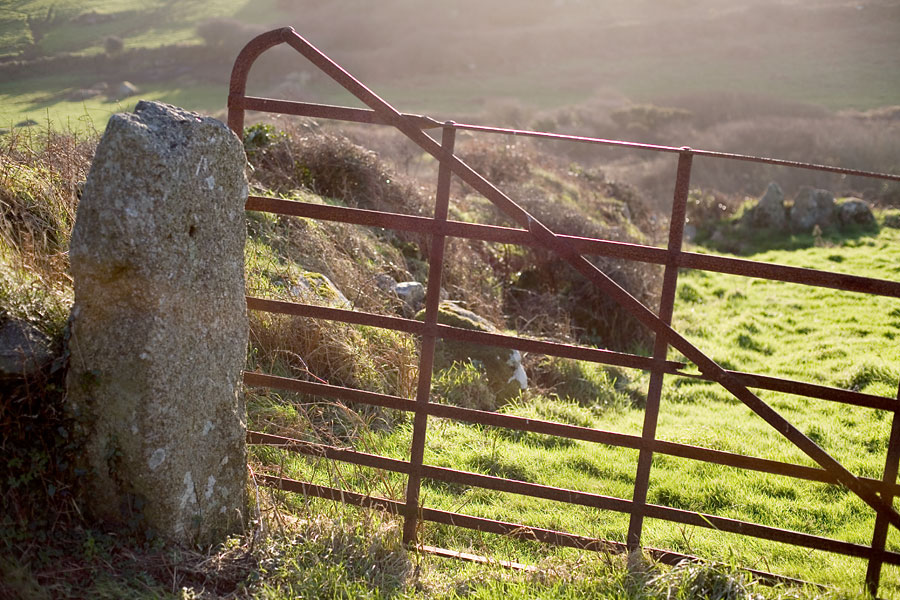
(565, 250)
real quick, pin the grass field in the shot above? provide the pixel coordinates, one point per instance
(139, 24)
(830, 55)
(822, 336)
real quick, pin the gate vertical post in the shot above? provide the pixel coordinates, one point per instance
(429, 338)
(660, 349)
(879, 537)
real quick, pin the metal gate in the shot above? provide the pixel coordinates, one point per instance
(877, 493)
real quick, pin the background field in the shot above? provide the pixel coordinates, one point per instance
(463, 57)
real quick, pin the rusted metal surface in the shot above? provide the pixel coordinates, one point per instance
(575, 432)
(585, 246)
(609, 357)
(516, 530)
(429, 341)
(660, 350)
(475, 558)
(878, 494)
(674, 149)
(584, 499)
(879, 536)
(323, 111)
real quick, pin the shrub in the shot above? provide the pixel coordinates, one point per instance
(500, 164)
(647, 117)
(464, 384)
(113, 44)
(706, 209)
(332, 166)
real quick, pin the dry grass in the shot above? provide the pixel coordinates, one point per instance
(39, 176)
(39, 179)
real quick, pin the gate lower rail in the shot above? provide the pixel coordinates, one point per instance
(877, 493)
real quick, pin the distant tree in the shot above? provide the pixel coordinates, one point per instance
(39, 26)
(113, 45)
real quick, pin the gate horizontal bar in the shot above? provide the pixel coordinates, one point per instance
(324, 111)
(329, 493)
(489, 526)
(330, 452)
(253, 379)
(676, 150)
(586, 246)
(468, 415)
(598, 355)
(587, 499)
(608, 357)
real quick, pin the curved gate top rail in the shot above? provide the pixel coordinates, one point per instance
(878, 494)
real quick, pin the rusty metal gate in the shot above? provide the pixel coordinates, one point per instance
(876, 493)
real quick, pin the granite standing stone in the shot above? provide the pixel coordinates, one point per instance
(812, 207)
(770, 213)
(159, 326)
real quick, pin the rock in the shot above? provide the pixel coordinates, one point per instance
(385, 283)
(812, 207)
(412, 293)
(316, 288)
(769, 212)
(24, 350)
(26, 123)
(159, 326)
(854, 211)
(125, 90)
(505, 373)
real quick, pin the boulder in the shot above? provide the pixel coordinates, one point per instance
(125, 89)
(24, 350)
(318, 289)
(854, 211)
(159, 326)
(412, 293)
(769, 212)
(505, 373)
(385, 283)
(812, 207)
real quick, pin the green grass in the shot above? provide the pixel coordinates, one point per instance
(822, 336)
(838, 63)
(30, 100)
(139, 24)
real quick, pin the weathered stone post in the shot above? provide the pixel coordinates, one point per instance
(159, 325)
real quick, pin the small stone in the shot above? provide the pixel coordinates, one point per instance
(412, 293)
(125, 89)
(24, 350)
(319, 289)
(505, 373)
